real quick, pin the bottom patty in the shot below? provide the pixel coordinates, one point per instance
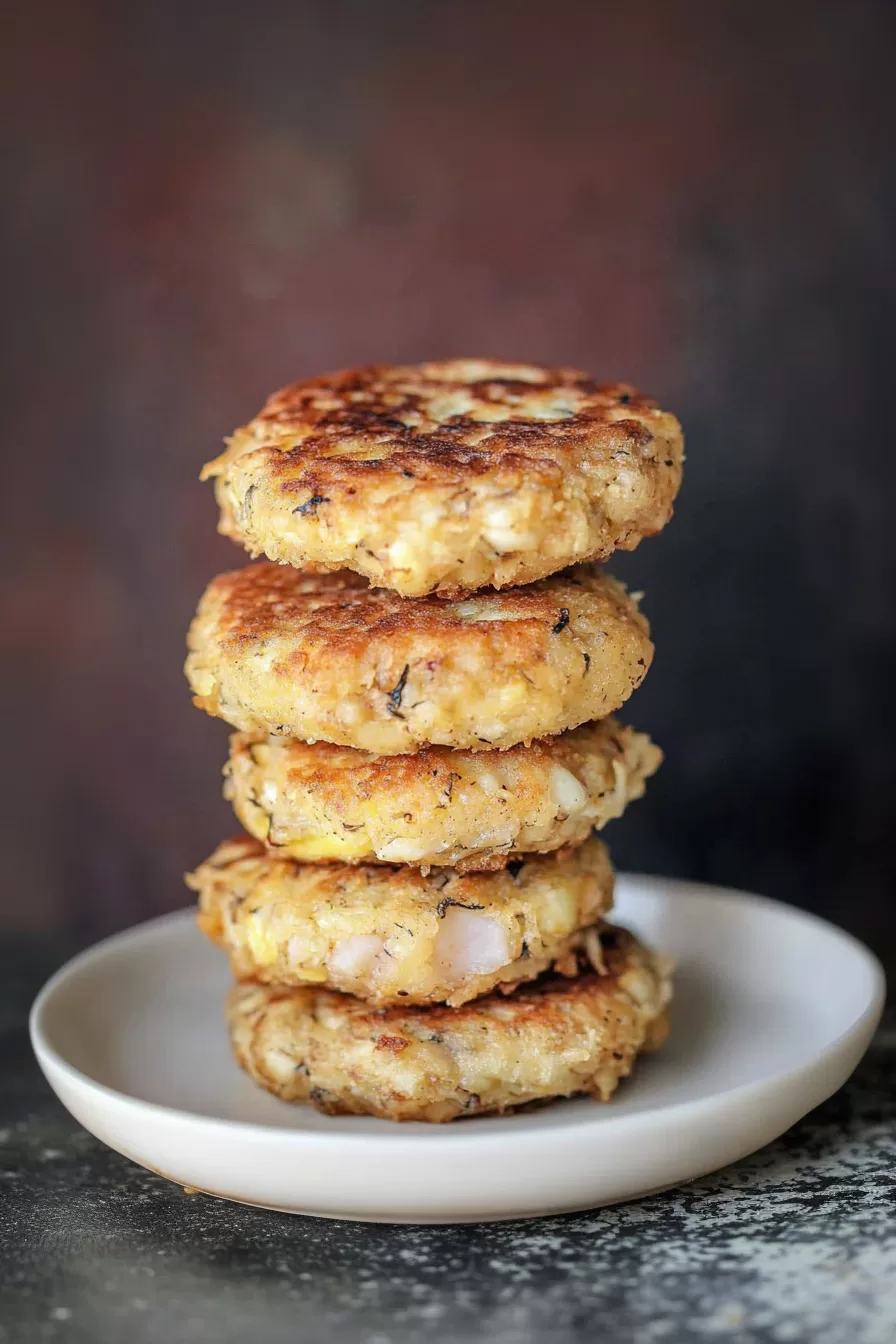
(554, 1037)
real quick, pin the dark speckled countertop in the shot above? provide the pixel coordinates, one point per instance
(796, 1244)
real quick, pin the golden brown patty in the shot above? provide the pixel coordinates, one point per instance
(449, 476)
(469, 809)
(552, 1038)
(326, 657)
(390, 934)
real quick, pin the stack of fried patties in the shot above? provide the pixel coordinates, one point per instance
(417, 917)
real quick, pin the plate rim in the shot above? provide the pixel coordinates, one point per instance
(435, 1135)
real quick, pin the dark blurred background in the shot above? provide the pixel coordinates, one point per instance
(205, 201)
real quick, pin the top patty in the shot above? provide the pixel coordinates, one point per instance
(449, 476)
(326, 657)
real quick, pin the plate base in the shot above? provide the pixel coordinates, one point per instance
(773, 1009)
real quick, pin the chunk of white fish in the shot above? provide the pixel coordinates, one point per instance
(354, 955)
(470, 943)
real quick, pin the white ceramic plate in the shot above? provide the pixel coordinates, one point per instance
(773, 1010)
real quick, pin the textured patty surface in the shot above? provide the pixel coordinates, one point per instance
(392, 935)
(552, 1038)
(326, 657)
(447, 477)
(470, 809)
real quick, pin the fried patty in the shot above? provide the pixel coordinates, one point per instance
(468, 809)
(272, 650)
(449, 476)
(393, 935)
(552, 1038)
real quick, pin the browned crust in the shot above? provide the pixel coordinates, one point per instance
(329, 420)
(329, 771)
(339, 615)
(574, 645)
(574, 469)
